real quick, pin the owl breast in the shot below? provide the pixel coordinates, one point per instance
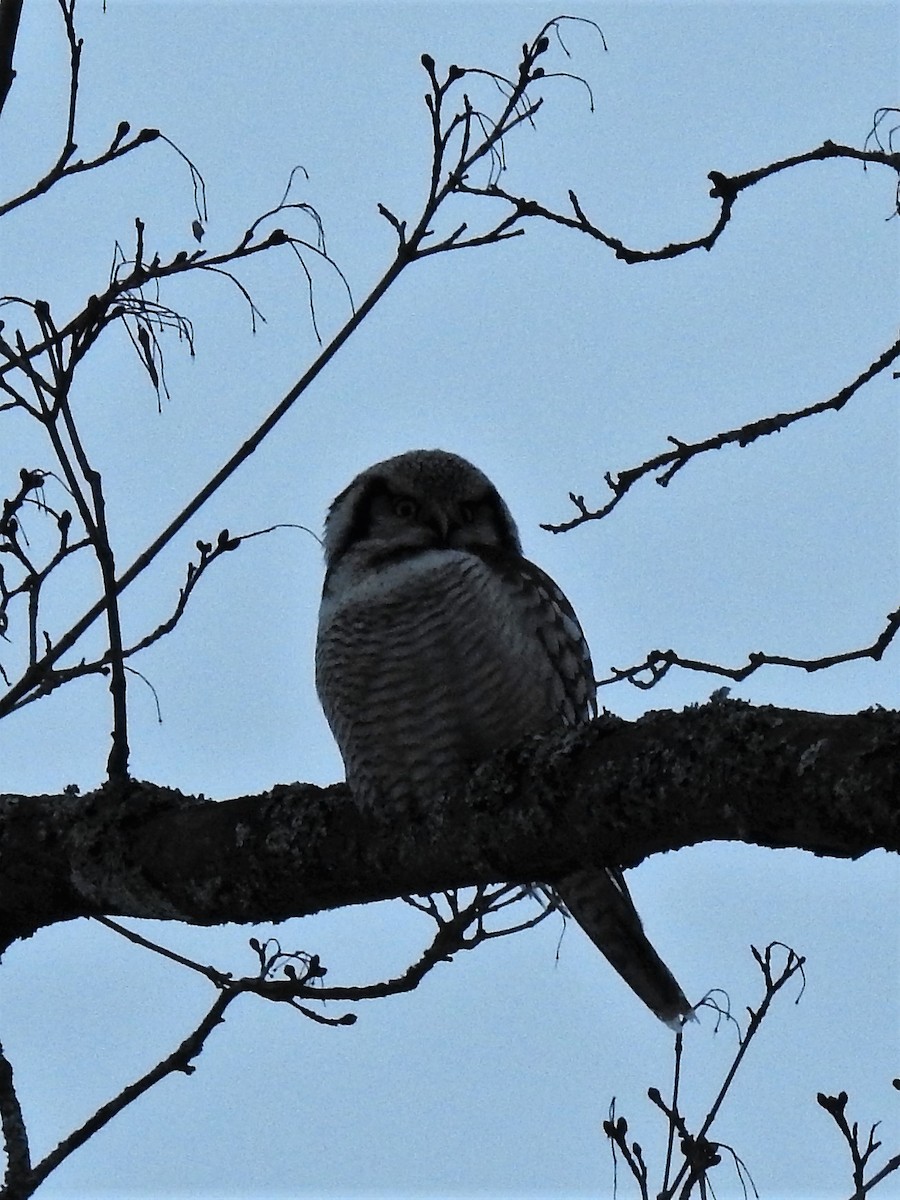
(428, 665)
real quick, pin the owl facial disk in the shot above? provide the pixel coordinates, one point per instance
(390, 509)
(444, 523)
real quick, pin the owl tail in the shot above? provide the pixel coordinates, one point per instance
(601, 904)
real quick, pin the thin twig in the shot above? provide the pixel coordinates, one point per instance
(94, 518)
(64, 166)
(836, 1106)
(219, 978)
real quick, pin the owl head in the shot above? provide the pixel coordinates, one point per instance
(424, 499)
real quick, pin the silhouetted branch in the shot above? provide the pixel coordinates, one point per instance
(31, 575)
(116, 149)
(775, 979)
(725, 189)
(289, 977)
(658, 663)
(86, 487)
(15, 1135)
(209, 553)
(462, 928)
(10, 12)
(462, 137)
(860, 1154)
(699, 1154)
(64, 166)
(669, 462)
(876, 135)
(180, 1060)
(595, 797)
(124, 297)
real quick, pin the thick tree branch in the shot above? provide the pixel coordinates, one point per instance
(613, 792)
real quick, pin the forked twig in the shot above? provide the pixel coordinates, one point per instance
(699, 1154)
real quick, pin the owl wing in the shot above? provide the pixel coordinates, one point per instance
(545, 608)
(599, 900)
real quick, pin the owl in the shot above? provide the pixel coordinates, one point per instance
(439, 644)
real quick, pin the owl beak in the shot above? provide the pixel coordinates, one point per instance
(444, 527)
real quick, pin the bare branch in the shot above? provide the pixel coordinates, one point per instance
(219, 978)
(209, 553)
(616, 1130)
(671, 461)
(860, 1154)
(10, 12)
(64, 166)
(86, 487)
(698, 1152)
(36, 674)
(32, 577)
(180, 1060)
(15, 1135)
(658, 663)
(101, 310)
(116, 149)
(207, 863)
(725, 189)
(463, 929)
(775, 980)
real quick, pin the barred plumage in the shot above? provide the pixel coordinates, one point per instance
(439, 643)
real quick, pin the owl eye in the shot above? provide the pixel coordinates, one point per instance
(406, 508)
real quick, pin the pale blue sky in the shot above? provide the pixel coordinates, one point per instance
(547, 362)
